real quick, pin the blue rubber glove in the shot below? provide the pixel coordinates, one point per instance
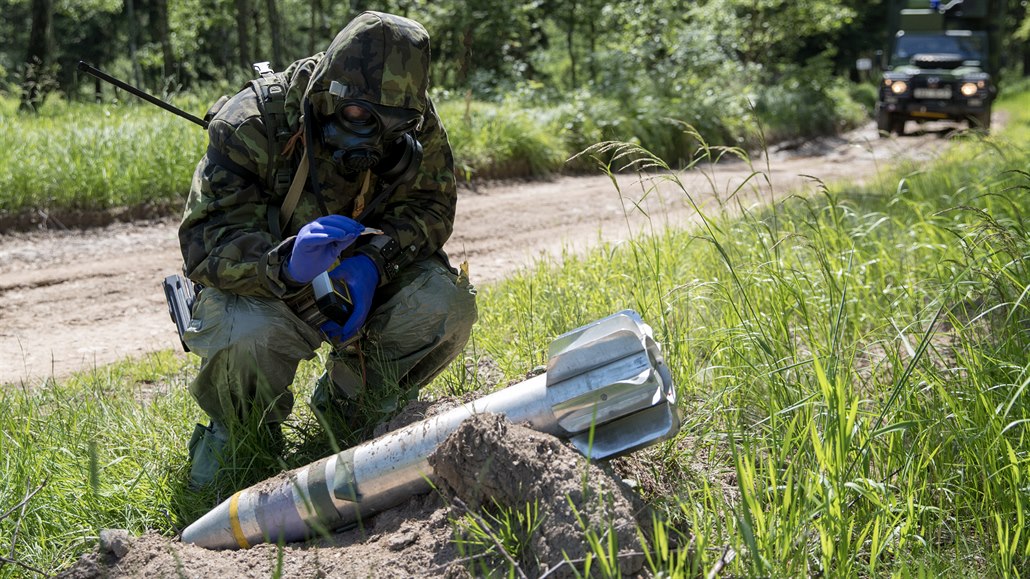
(362, 277)
(319, 244)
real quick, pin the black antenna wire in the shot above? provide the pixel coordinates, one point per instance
(91, 70)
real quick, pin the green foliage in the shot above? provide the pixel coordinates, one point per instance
(808, 101)
(87, 157)
(96, 157)
(863, 94)
(99, 446)
(852, 368)
(498, 141)
(773, 32)
(855, 362)
(483, 537)
(546, 79)
(486, 46)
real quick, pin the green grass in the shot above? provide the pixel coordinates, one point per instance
(501, 141)
(75, 157)
(84, 157)
(852, 367)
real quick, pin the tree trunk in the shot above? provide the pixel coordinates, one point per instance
(570, 36)
(593, 47)
(275, 29)
(38, 54)
(243, 33)
(164, 37)
(258, 46)
(313, 25)
(465, 66)
(130, 14)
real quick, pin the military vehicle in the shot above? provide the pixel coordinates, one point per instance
(942, 63)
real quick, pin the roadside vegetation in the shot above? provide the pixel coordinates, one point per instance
(74, 157)
(852, 369)
(522, 86)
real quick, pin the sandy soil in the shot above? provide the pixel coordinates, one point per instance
(78, 299)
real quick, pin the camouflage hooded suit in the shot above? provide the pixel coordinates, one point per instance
(249, 339)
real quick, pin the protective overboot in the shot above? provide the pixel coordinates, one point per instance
(207, 449)
(333, 407)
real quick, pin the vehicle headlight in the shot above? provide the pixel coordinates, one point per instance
(968, 89)
(899, 86)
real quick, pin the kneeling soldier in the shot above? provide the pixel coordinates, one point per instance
(339, 164)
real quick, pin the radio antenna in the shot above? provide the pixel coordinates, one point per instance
(91, 70)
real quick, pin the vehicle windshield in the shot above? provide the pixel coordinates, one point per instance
(970, 46)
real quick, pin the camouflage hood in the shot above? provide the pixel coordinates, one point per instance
(380, 58)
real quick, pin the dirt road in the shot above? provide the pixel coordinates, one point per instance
(76, 300)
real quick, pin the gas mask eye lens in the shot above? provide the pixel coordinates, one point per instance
(356, 114)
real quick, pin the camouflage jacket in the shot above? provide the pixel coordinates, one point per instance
(226, 234)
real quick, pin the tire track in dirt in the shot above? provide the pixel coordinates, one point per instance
(78, 300)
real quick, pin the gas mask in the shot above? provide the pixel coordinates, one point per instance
(362, 136)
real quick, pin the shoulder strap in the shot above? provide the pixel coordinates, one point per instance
(290, 203)
(271, 93)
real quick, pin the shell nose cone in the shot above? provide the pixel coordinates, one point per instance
(213, 530)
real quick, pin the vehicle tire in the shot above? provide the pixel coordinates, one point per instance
(897, 124)
(980, 121)
(883, 124)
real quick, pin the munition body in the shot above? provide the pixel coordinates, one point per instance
(607, 390)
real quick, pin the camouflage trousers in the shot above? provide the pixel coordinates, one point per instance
(251, 346)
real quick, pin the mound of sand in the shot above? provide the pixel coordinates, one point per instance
(486, 465)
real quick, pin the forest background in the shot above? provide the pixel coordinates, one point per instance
(609, 70)
(521, 87)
